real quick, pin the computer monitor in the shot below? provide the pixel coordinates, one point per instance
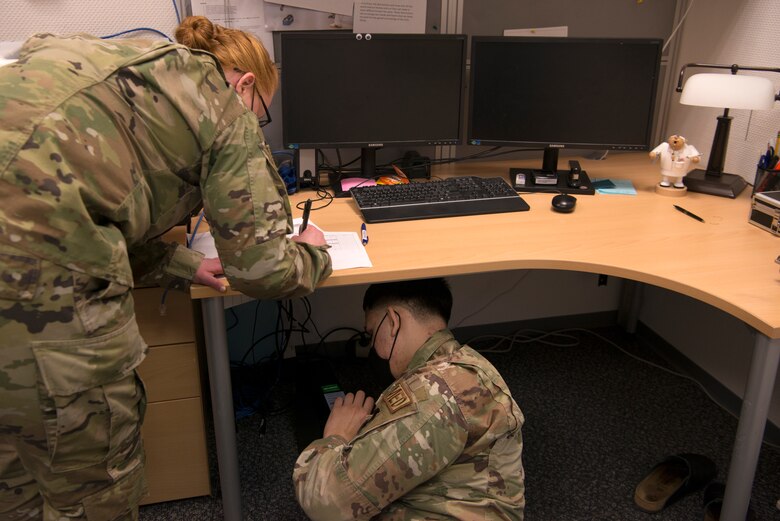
(560, 93)
(370, 91)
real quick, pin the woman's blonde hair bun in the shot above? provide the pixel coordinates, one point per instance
(198, 32)
(235, 49)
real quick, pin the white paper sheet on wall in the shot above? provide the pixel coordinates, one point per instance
(561, 30)
(288, 18)
(390, 16)
(329, 6)
(247, 15)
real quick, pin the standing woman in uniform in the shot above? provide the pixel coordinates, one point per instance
(104, 146)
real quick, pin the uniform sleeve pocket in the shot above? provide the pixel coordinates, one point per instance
(18, 276)
(92, 401)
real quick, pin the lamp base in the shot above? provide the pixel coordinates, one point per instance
(724, 185)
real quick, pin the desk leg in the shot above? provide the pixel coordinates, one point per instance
(630, 305)
(750, 431)
(222, 406)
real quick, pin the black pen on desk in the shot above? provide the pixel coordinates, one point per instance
(306, 212)
(689, 214)
(363, 234)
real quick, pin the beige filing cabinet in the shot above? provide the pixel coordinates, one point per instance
(173, 431)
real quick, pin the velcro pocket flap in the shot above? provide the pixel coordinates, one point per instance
(69, 367)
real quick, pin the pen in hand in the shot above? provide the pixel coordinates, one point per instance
(686, 212)
(306, 212)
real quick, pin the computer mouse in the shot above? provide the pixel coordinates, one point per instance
(564, 203)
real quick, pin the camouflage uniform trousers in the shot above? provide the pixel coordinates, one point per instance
(71, 404)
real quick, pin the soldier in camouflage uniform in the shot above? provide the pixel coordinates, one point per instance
(442, 442)
(104, 146)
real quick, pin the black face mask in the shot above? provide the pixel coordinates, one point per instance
(379, 369)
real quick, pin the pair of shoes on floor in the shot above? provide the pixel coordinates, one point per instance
(676, 477)
(713, 502)
(673, 478)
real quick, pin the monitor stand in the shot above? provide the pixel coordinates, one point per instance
(549, 178)
(367, 171)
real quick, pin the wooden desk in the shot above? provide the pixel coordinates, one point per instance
(725, 262)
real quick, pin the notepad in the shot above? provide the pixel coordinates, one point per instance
(614, 186)
(346, 251)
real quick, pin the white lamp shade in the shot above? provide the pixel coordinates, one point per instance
(732, 91)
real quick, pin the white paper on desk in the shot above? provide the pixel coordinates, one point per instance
(328, 6)
(204, 243)
(246, 15)
(346, 251)
(390, 16)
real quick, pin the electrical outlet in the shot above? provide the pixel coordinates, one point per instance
(363, 346)
(359, 345)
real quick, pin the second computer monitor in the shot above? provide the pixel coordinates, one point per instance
(560, 93)
(369, 91)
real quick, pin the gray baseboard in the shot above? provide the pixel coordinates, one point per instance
(585, 321)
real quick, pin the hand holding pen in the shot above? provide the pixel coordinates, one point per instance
(306, 212)
(309, 234)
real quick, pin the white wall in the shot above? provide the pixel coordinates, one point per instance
(22, 18)
(487, 298)
(724, 32)
(728, 32)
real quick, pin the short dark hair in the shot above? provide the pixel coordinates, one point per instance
(423, 297)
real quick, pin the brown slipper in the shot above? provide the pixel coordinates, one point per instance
(672, 479)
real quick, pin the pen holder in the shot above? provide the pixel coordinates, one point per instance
(766, 180)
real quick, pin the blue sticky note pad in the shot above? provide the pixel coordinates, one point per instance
(603, 183)
(614, 186)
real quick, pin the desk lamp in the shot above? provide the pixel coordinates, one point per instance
(733, 92)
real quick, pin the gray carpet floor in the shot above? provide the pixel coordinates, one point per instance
(597, 420)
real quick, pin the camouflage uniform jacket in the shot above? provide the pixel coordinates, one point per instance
(444, 442)
(105, 145)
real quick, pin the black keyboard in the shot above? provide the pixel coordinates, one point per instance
(451, 197)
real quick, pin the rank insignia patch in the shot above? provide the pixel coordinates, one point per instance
(397, 398)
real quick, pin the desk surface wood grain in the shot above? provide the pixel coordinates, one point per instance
(725, 261)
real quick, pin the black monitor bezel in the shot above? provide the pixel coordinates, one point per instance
(474, 140)
(368, 143)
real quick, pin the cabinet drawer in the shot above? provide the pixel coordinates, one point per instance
(175, 327)
(171, 372)
(176, 457)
